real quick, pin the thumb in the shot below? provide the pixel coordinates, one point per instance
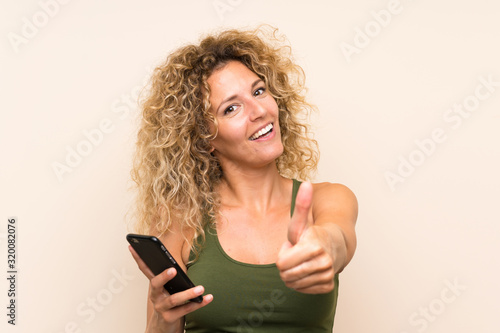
(298, 222)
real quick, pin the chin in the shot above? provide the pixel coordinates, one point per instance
(277, 153)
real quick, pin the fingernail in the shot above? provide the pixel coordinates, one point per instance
(171, 271)
(198, 290)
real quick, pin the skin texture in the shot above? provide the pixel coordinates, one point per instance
(243, 106)
(308, 249)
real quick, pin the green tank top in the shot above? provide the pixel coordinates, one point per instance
(252, 298)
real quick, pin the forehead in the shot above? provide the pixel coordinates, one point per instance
(229, 78)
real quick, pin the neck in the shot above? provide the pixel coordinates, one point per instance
(259, 190)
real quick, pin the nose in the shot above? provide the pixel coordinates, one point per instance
(256, 109)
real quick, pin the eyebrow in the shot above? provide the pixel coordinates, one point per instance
(255, 83)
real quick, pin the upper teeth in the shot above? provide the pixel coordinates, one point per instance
(261, 132)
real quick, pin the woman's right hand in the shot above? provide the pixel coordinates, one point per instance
(166, 312)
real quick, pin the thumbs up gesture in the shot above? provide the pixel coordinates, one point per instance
(306, 261)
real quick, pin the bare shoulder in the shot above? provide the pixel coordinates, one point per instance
(333, 190)
(334, 197)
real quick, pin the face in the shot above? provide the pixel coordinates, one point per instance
(248, 127)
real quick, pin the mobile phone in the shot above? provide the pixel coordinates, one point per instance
(157, 258)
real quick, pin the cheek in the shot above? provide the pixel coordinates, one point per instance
(273, 106)
(226, 136)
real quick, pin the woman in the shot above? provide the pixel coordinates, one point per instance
(218, 150)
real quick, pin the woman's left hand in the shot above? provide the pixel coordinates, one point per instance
(306, 261)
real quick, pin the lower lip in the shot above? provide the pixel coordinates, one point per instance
(267, 137)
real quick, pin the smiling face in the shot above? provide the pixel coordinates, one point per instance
(247, 115)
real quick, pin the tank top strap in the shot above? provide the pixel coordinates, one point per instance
(295, 190)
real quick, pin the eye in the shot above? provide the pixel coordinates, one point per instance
(230, 109)
(259, 91)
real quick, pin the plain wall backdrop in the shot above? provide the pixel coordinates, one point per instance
(408, 93)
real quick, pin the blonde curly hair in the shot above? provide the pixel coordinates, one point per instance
(175, 172)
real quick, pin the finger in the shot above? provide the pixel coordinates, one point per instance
(291, 256)
(184, 309)
(284, 249)
(142, 265)
(190, 307)
(185, 296)
(300, 215)
(319, 266)
(323, 279)
(317, 288)
(158, 282)
(178, 299)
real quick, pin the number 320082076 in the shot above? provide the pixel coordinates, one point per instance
(11, 240)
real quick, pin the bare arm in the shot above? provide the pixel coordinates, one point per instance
(335, 209)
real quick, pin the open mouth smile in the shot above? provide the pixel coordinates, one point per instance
(262, 133)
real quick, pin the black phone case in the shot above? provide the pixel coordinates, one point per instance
(156, 256)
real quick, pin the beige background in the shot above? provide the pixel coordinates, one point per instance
(428, 244)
